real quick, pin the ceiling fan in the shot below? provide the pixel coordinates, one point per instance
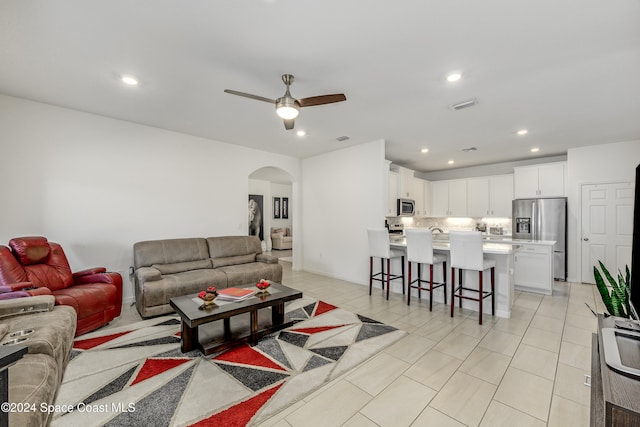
(287, 106)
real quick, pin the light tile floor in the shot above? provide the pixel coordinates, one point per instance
(526, 371)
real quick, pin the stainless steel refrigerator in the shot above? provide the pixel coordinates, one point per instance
(543, 219)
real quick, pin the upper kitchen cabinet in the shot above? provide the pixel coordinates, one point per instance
(490, 196)
(546, 180)
(393, 193)
(421, 190)
(406, 189)
(449, 198)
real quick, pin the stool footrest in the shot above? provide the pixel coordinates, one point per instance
(435, 284)
(484, 293)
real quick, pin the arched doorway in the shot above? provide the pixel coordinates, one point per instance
(271, 198)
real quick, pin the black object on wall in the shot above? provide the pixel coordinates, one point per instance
(635, 250)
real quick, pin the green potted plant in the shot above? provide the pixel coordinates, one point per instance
(616, 302)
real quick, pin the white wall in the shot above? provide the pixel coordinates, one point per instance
(597, 163)
(97, 185)
(282, 190)
(341, 198)
(269, 190)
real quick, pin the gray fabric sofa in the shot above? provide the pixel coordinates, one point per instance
(48, 332)
(174, 267)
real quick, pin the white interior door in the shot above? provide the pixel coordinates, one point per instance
(607, 227)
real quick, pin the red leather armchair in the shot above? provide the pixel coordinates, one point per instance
(95, 294)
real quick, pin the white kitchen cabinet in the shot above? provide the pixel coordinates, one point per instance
(406, 188)
(478, 197)
(501, 195)
(392, 208)
(420, 195)
(546, 180)
(533, 268)
(490, 196)
(449, 198)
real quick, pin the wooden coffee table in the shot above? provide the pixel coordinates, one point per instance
(200, 329)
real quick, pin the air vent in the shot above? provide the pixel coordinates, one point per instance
(342, 138)
(466, 150)
(464, 104)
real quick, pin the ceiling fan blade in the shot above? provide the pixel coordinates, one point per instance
(248, 95)
(322, 99)
(288, 123)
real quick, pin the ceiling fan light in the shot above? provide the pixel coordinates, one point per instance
(286, 108)
(287, 113)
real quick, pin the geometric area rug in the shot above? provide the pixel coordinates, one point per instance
(136, 375)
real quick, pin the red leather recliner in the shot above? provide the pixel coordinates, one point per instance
(95, 294)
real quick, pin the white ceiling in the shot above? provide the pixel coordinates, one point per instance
(566, 70)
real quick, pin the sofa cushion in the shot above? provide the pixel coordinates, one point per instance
(10, 269)
(158, 293)
(30, 250)
(33, 380)
(88, 299)
(251, 273)
(169, 251)
(233, 260)
(179, 267)
(229, 246)
(268, 258)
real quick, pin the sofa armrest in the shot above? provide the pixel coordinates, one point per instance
(19, 306)
(148, 274)
(267, 259)
(109, 277)
(12, 287)
(89, 271)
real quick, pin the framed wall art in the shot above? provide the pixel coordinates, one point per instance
(255, 216)
(285, 208)
(276, 207)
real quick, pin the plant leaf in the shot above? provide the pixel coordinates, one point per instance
(617, 303)
(604, 291)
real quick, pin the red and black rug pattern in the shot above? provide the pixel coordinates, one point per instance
(137, 375)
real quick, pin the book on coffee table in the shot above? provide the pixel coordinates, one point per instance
(235, 294)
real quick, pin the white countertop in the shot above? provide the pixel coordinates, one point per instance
(493, 244)
(510, 241)
(400, 242)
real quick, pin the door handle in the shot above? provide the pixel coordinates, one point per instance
(586, 239)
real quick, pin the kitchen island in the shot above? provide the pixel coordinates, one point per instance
(521, 264)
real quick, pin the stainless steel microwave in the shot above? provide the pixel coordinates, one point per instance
(406, 207)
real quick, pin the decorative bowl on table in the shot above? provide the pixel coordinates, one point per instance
(207, 296)
(262, 286)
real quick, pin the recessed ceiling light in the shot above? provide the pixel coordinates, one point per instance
(450, 162)
(301, 133)
(129, 80)
(454, 77)
(424, 150)
(522, 132)
(535, 150)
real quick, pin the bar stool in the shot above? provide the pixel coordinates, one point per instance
(379, 247)
(466, 254)
(420, 251)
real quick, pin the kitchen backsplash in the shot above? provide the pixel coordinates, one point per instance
(492, 225)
